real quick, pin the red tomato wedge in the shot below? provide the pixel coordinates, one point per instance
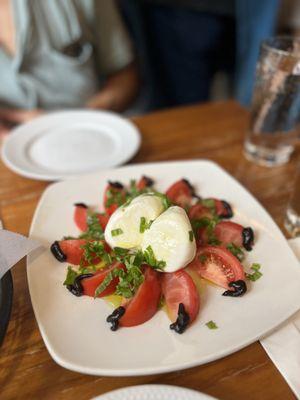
(145, 302)
(223, 209)
(198, 211)
(144, 182)
(114, 197)
(89, 285)
(218, 265)
(181, 193)
(71, 251)
(229, 232)
(81, 215)
(178, 287)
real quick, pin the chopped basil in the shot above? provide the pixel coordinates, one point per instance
(202, 258)
(106, 281)
(94, 250)
(120, 252)
(209, 224)
(114, 196)
(191, 236)
(211, 325)
(144, 224)
(94, 229)
(150, 259)
(71, 275)
(256, 274)
(209, 203)
(236, 251)
(116, 232)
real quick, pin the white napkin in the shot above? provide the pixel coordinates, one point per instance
(283, 345)
(13, 247)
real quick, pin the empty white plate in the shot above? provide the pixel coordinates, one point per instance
(70, 143)
(154, 392)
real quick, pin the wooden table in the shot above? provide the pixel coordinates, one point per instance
(214, 131)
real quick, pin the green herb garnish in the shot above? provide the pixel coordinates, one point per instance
(116, 232)
(191, 236)
(211, 325)
(150, 259)
(256, 274)
(94, 250)
(71, 275)
(114, 196)
(236, 251)
(106, 281)
(144, 224)
(94, 229)
(209, 203)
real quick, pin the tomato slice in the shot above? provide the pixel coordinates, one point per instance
(218, 265)
(181, 193)
(144, 182)
(229, 232)
(89, 285)
(223, 209)
(71, 251)
(81, 215)
(145, 302)
(178, 287)
(198, 211)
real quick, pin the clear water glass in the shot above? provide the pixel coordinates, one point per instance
(275, 109)
(292, 217)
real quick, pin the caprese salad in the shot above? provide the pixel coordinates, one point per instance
(147, 249)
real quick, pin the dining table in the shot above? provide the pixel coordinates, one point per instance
(213, 131)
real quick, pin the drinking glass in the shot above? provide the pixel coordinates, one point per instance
(292, 218)
(275, 110)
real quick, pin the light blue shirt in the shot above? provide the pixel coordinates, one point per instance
(65, 51)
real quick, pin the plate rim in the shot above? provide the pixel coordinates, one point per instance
(158, 369)
(148, 386)
(136, 143)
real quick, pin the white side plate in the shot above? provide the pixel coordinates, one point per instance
(74, 329)
(154, 392)
(70, 143)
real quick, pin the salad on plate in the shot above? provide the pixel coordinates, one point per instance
(150, 250)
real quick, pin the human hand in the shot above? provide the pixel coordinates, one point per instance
(118, 92)
(9, 118)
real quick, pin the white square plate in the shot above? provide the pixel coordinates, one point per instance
(74, 329)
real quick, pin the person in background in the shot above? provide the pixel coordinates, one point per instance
(58, 54)
(188, 41)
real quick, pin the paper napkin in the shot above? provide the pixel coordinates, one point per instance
(13, 247)
(283, 345)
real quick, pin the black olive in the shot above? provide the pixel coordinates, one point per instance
(83, 205)
(116, 185)
(77, 288)
(114, 317)
(148, 181)
(182, 320)
(228, 213)
(239, 287)
(57, 252)
(248, 238)
(191, 187)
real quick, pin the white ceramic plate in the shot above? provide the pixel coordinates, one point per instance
(70, 143)
(74, 329)
(154, 392)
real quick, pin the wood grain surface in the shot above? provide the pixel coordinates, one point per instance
(213, 131)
